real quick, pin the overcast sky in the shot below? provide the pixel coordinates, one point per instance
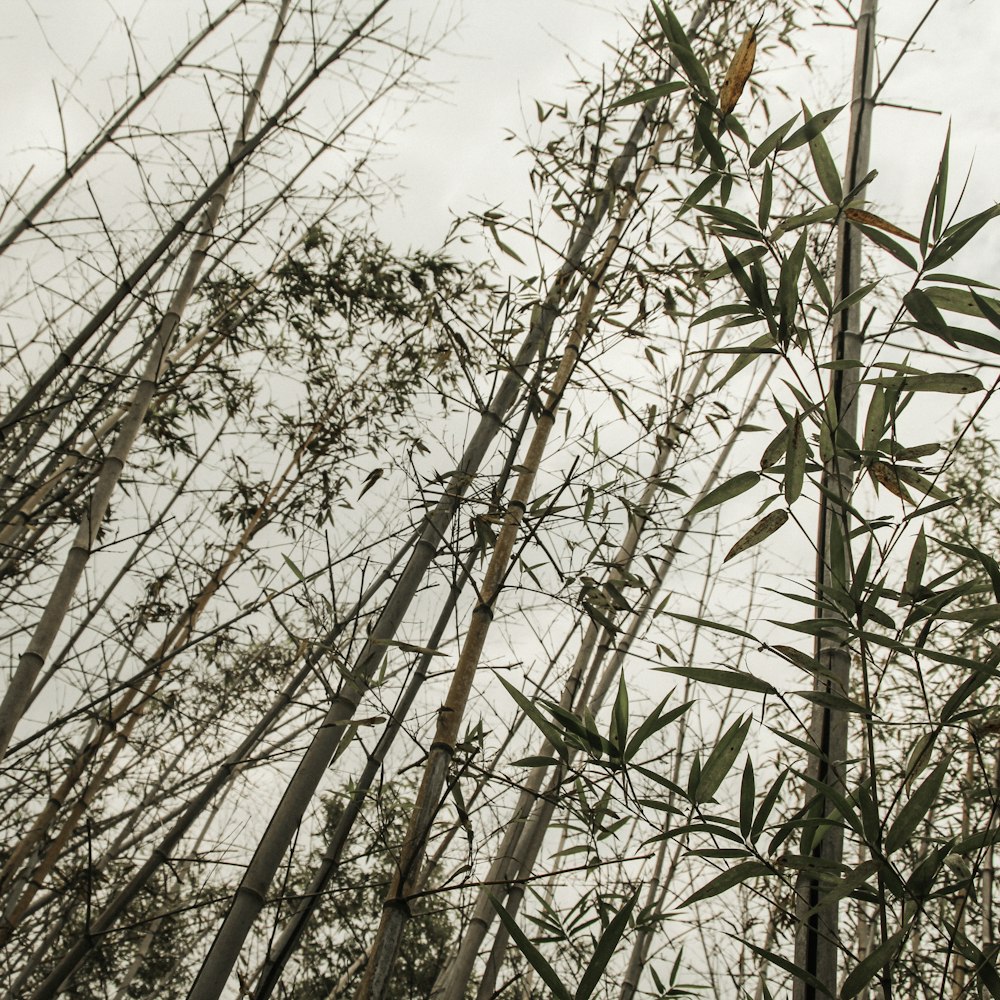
(505, 54)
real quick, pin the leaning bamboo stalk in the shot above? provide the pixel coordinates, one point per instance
(281, 951)
(291, 934)
(123, 718)
(107, 134)
(31, 662)
(205, 201)
(532, 834)
(395, 910)
(250, 894)
(816, 945)
(525, 838)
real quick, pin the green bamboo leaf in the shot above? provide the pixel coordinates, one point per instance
(656, 721)
(544, 726)
(775, 450)
(915, 566)
(546, 973)
(826, 169)
(736, 875)
(605, 950)
(812, 128)
(990, 308)
(764, 811)
(915, 808)
(819, 283)
(963, 300)
(874, 422)
(651, 94)
(953, 383)
(734, 264)
(869, 967)
(734, 679)
(958, 236)
(619, 715)
(918, 758)
(726, 491)
(856, 296)
(766, 186)
(748, 795)
(825, 214)
(771, 143)
(790, 967)
(888, 244)
(721, 759)
(795, 461)
(763, 529)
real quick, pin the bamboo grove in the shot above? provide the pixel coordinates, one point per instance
(600, 603)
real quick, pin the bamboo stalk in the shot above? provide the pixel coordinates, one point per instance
(33, 659)
(206, 201)
(251, 893)
(281, 951)
(107, 134)
(817, 943)
(532, 833)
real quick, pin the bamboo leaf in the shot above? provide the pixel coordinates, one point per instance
(915, 808)
(726, 491)
(651, 94)
(812, 128)
(795, 461)
(656, 721)
(720, 760)
(866, 970)
(888, 244)
(790, 967)
(546, 973)
(915, 566)
(736, 680)
(771, 143)
(736, 875)
(764, 528)
(748, 793)
(826, 169)
(605, 950)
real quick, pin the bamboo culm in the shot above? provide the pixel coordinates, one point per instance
(817, 945)
(251, 894)
(33, 659)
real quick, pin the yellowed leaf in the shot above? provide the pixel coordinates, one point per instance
(886, 476)
(863, 218)
(739, 72)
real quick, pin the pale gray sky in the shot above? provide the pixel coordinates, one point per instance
(502, 56)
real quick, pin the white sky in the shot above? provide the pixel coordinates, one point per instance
(504, 54)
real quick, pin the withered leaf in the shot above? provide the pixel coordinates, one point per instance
(765, 527)
(738, 73)
(886, 476)
(863, 218)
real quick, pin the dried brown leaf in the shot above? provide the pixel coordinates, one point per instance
(886, 476)
(863, 218)
(739, 72)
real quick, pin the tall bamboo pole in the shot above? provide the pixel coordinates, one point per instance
(204, 202)
(251, 893)
(817, 944)
(450, 716)
(531, 834)
(107, 133)
(33, 659)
